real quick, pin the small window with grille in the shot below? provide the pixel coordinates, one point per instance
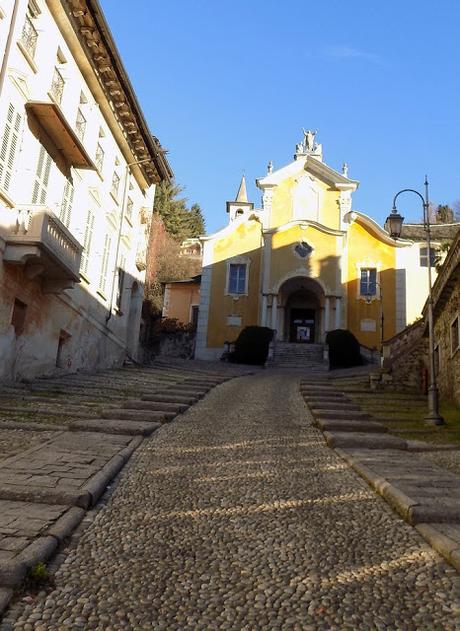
(114, 189)
(29, 34)
(99, 157)
(80, 125)
(57, 86)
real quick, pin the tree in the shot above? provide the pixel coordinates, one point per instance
(444, 214)
(170, 208)
(180, 222)
(193, 222)
(165, 263)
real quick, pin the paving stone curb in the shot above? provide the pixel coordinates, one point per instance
(98, 483)
(447, 546)
(435, 523)
(414, 514)
(13, 573)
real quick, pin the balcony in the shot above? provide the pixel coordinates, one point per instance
(45, 248)
(64, 140)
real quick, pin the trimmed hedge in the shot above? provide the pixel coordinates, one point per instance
(252, 345)
(344, 349)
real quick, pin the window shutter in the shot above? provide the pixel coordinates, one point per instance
(10, 145)
(66, 205)
(42, 176)
(87, 237)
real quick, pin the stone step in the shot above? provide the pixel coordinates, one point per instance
(364, 440)
(198, 384)
(335, 414)
(136, 404)
(185, 392)
(116, 426)
(331, 398)
(326, 405)
(137, 415)
(170, 398)
(327, 425)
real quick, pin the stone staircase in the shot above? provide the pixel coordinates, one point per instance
(305, 356)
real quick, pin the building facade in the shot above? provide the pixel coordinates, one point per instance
(446, 319)
(306, 263)
(78, 169)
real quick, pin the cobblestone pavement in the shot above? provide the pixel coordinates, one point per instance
(237, 516)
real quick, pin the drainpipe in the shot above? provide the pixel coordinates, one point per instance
(9, 41)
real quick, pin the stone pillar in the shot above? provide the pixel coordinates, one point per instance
(280, 322)
(338, 312)
(263, 319)
(327, 314)
(275, 312)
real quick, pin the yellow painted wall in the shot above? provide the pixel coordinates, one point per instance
(364, 245)
(181, 297)
(282, 204)
(245, 241)
(322, 263)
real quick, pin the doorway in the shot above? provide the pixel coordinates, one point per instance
(302, 326)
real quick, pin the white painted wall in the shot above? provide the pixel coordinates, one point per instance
(83, 310)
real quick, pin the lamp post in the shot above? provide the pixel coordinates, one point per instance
(394, 223)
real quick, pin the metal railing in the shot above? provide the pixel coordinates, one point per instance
(57, 86)
(29, 36)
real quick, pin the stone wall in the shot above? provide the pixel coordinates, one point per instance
(449, 363)
(406, 358)
(176, 344)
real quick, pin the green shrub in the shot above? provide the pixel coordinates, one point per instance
(252, 345)
(344, 349)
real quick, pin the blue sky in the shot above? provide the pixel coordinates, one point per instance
(228, 86)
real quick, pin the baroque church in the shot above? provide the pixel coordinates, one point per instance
(306, 263)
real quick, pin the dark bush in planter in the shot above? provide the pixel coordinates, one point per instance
(251, 347)
(344, 350)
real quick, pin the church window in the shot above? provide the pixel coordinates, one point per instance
(424, 256)
(237, 278)
(368, 283)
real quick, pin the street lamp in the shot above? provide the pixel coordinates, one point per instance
(394, 224)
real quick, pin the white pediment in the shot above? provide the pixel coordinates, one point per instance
(20, 82)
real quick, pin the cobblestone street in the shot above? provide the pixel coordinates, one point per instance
(237, 516)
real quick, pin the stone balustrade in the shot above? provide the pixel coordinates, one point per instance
(44, 246)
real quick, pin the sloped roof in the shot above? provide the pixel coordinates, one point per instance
(439, 231)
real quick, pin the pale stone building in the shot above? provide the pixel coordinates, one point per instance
(78, 169)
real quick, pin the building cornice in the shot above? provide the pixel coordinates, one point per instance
(93, 33)
(310, 165)
(304, 222)
(366, 221)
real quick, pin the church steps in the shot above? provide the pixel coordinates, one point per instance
(295, 355)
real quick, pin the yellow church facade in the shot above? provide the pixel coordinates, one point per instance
(305, 263)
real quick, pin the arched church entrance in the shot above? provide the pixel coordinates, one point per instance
(301, 306)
